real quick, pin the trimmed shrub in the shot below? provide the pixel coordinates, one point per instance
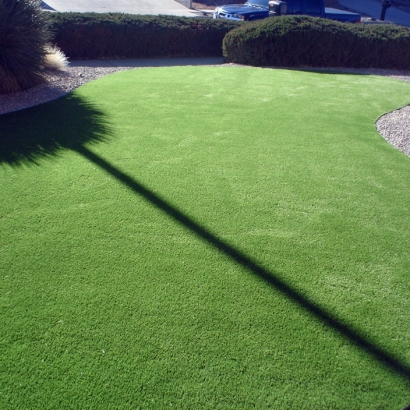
(116, 35)
(295, 41)
(23, 37)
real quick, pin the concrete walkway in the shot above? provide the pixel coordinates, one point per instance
(373, 8)
(151, 7)
(148, 62)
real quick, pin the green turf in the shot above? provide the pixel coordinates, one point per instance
(206, 238)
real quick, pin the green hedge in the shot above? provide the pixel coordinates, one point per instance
(117, 35)
(295, 41)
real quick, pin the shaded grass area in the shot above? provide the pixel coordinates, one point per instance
(238, 238)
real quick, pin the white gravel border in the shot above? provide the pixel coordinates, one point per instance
(393, 126)
(58, 84)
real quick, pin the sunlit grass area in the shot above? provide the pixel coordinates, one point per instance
(206, 238)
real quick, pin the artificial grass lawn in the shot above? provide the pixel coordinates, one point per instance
(204, 238)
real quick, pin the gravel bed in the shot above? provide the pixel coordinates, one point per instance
(57, 84)
(393, 126)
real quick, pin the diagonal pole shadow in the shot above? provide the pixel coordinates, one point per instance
(347, 331)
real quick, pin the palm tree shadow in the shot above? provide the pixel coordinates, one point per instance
(43, 131)
(271, 278)
(73, 123)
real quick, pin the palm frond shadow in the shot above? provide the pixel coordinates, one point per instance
(44, 131)
(74, 123)
(354, 336)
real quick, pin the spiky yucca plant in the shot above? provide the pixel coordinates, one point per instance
(23, 37)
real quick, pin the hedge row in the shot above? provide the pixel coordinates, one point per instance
(117, 35)
(295, 41)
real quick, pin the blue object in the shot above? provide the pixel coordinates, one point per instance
(260, 9)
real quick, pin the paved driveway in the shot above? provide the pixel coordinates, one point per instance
(153, 7)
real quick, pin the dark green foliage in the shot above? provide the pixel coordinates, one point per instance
(115, 35)
(23, 36)
(294, 41)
